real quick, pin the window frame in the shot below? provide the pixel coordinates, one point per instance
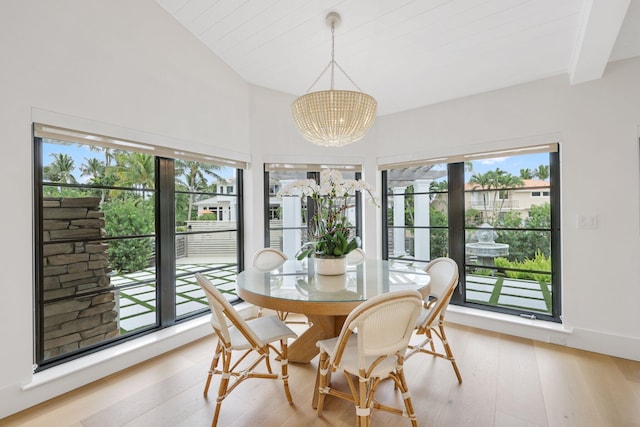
(310, 174)
(457, 231)
(164, 234)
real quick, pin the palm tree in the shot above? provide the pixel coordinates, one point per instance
(483, 182)
(134, 170)
(92, 168)
(497, 177)
(437, 187)
(526, 173)
(95, 169)
(468, 166)
(509, 182)
(193, 177)
(61, 169)
(542, 172)
(108, 153)
(493, 184)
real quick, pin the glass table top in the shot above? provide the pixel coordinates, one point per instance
(296, 281)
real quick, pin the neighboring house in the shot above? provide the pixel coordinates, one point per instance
(533, 192)
(223, 206)
(221, 241)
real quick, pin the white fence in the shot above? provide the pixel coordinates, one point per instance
(220, 241)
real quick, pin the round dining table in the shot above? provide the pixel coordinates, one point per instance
(325, 300)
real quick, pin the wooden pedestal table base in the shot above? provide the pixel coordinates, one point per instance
(304, 348)
(326, 318)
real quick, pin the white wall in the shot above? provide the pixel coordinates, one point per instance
(118, 66)
(596, 124)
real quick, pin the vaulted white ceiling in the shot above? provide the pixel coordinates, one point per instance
(411, 53)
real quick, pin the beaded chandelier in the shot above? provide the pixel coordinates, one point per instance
(334, 118)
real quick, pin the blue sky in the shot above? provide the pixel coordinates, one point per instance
(76, 151)
(511, 164)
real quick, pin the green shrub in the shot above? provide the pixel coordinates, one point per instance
(208, 217)
(539, 263)
(483, 272)
(129, 218)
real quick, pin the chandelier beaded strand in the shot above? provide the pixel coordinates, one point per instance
(334, 118)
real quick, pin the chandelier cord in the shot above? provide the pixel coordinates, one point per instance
(331, 64)
(333, 61)
(347, 76)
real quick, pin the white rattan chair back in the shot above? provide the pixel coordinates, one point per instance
(268, 259)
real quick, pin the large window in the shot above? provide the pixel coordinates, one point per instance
(496, 214)
(207, 235)
(286, 217)
(416, 211)
(120, 233)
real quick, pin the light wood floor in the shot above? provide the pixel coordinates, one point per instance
(508, 382)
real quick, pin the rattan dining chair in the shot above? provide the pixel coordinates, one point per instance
(252, 340)
(268, 259)
(356, 256)
(444, 279)
(369, 349)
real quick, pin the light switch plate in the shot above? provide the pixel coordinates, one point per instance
(587, 222)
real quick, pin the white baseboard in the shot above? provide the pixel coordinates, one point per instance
(550, 332)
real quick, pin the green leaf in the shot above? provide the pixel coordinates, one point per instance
(351, 246)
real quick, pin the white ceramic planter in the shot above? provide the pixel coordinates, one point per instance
(330, 284)
(330, 266)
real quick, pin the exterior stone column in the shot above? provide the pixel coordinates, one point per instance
(398, 221)
(79, 301)
(422, 243)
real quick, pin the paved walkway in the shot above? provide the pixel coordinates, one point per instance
(137, 303)
(502, 291)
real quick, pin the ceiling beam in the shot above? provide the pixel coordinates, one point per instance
(600, 23)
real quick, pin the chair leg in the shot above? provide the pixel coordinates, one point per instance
(363, 407)
(430, 337)
(405, 394)
(224, 384)
(285, 369)
(268, 365)
(214, 364)
(321, 381)
(449, 352)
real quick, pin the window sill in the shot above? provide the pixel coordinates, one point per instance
(536, 329)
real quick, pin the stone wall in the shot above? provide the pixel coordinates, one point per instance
(72, 269)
